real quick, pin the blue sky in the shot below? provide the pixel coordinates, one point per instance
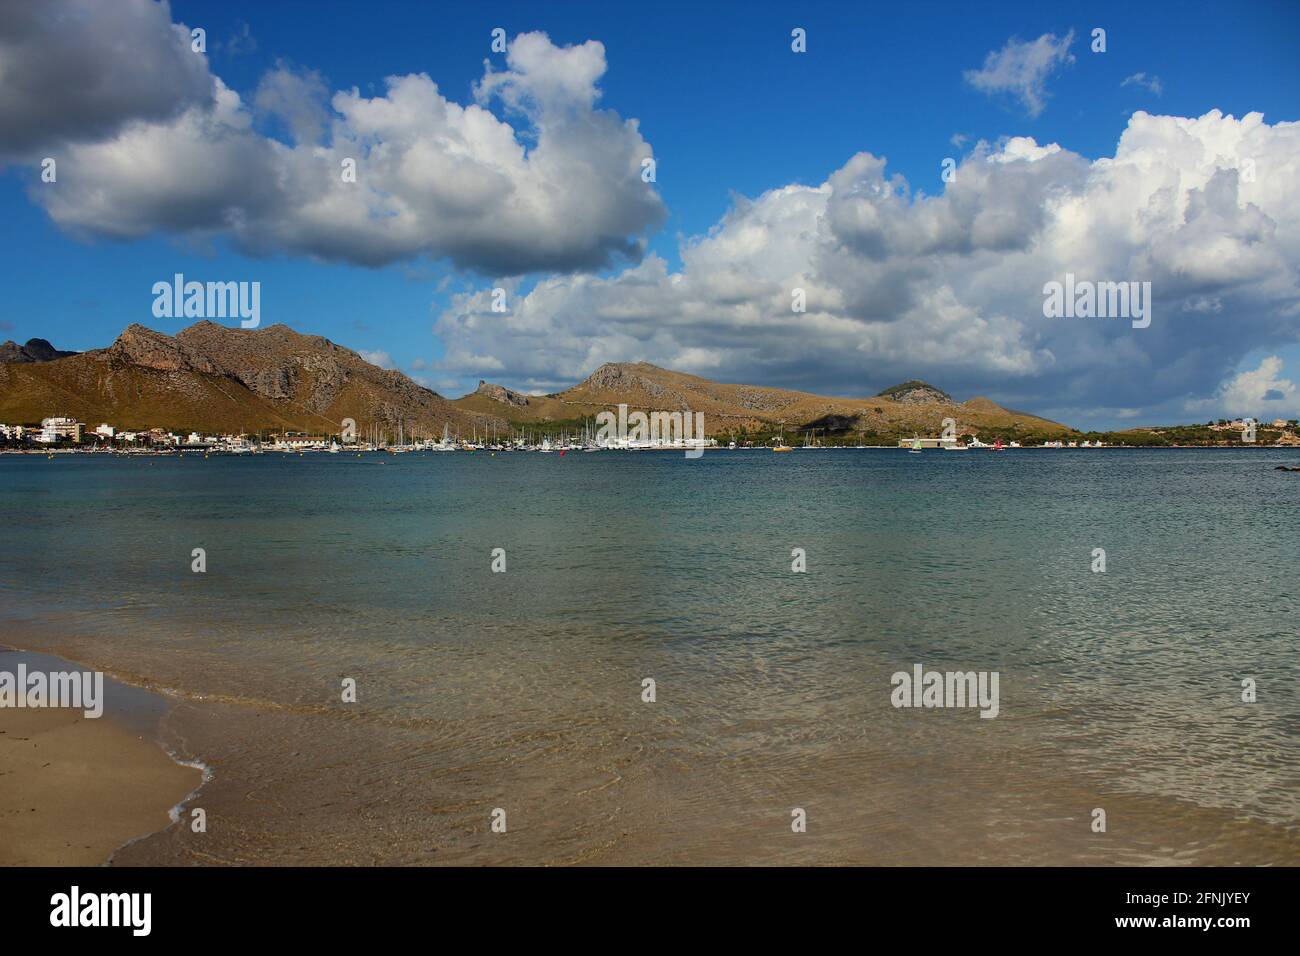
(729, 113)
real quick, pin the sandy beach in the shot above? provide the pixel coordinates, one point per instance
(73, 789)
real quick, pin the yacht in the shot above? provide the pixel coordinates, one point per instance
(446, 443)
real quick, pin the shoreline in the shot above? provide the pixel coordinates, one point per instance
(282, 801)
(174, 453)
(80, 790)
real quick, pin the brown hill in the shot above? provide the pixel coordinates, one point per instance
(213, 378)
(911, 408)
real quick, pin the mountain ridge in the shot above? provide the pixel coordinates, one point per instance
(33, 350)
(216, 378)
(213, 378)
(911, 407)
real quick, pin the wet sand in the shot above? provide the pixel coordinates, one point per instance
(72, 789)
(305, 783)
(298, 788)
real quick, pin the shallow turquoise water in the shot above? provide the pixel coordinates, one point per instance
(773, 687)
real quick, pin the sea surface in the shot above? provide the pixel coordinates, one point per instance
(521, 694)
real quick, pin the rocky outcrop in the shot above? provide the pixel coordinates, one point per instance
(499, 393)
(277, 363)
(310, 372)
(917, 392)
(138, 345)
(620, 377)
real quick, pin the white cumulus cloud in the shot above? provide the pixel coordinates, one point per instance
(1258, 391)
(148, 141)
(82, 70)
(901, 284)
(378, 357)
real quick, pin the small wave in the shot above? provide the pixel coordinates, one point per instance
(207, 773)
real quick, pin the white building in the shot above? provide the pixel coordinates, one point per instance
(52, 429)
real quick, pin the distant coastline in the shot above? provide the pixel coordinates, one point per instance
(212, 387)
(225, 453)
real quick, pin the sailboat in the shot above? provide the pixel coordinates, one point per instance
(916, 447)
(401, 445)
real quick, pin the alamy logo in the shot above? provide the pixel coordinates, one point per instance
(946, 689)
(208, 300)
(72, 909)
(79, 690)
(1102, 300)
(655, 430)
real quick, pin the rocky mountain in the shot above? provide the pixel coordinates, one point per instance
(35, 350)
(215, 378)
(162, 353)
(910, 408)
(499, 393)
(210, 377)
(917, 392)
